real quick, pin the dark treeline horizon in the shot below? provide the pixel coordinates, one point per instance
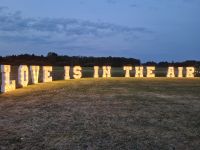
(54, 59)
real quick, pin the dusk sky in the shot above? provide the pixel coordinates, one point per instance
(156, 30)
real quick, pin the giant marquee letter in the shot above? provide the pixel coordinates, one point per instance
(106, 71)
(180, 72)
(77, 72)
(139, 71)
(67, 69)
(6, 84)
(190, 72)
(150, 73)
(127, 71)
(23, 75)
(34, 73)
(96, 71)
(170, 72)
(46, 73)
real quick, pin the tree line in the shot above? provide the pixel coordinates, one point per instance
(86, 61)
(62, 60)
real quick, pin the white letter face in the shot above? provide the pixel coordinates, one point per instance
(23, 75)
(67, 69)
(127, 71)
(139, 71)
(180, 72)
(77, 72)
(46, 73)
(150, 73)
(190, 72)
(170, 72)
(6, 84)
(96, 71)
(34, 73)
(106, 71)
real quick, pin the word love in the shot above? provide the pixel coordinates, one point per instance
(24, 70)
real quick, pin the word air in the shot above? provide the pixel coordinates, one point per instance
(33, 72)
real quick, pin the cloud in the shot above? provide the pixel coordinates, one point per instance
(3, 8)
(61, 32)
(15, 22)
(111, 1)
(133, 5)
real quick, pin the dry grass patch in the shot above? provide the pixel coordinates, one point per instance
(112, 113)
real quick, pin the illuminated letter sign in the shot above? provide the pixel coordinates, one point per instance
(190, 72)
(150, 73)
(139, 71)
(170, 72)
(77, 72)
(180, 72)
(67, 69)
(106, 71)
(35, 73)
(6, 84)
(96, 71)
(127, 71)
(46, 73)
(23, 74)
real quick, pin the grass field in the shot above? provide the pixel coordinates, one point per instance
(116, 113)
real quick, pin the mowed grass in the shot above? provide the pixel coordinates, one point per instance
(115, 113)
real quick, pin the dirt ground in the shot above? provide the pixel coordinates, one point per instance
(114, 113)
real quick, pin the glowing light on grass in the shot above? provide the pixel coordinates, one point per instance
(127, 71)
(77, 72)
(106, 71)
(46, 73)
(23, 75)
(7, 84)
